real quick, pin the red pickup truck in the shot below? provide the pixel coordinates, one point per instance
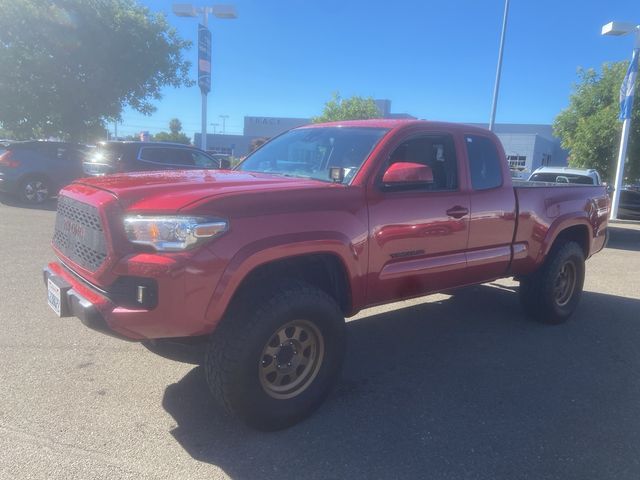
(260, 265)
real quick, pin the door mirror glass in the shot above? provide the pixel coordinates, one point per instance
(407, 173)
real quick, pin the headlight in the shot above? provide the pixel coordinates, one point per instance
(173, 233)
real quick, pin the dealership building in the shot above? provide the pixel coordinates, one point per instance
(527, 146)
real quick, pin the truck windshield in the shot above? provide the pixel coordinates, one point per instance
(311, 152)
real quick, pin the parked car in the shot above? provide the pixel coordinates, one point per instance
(258, 266)
(34, 171)
(117, 157)
(584, 176)
(629, 206)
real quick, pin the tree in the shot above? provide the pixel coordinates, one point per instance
(589, 127)
(175, 133)
(75, 64)
(257, 143)
(175, 126)
(353, 108)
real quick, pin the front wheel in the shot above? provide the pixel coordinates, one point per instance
(551, 294)
(34, 190)
(273, 363)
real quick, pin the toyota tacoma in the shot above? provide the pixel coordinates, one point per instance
(257, 267)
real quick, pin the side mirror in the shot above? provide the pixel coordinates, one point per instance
(407, 173)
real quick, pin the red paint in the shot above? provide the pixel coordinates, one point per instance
(391, 244)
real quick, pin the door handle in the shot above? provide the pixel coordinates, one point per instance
(457, 211)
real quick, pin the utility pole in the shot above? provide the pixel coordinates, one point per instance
(204, 49)
(224, 123)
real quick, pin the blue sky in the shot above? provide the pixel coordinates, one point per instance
(433, 59)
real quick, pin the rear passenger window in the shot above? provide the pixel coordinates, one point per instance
(177, 157)
(151, 154)
(484, 163)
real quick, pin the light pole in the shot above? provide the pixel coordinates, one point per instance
(227, 12)
(214, 125)
(496, 86)
(224, 123)
(626, 103)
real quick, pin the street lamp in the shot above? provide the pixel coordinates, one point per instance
(214, 125)
(626, 95)
(225, 12)
(496, 86)
(224, 123)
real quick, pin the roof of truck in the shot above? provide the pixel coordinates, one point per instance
(395, 123)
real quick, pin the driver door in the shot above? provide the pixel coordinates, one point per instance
(419, 233)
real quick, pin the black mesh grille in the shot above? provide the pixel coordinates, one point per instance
(81, 213)
(79, 234)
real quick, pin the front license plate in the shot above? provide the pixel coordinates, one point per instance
(53, 297)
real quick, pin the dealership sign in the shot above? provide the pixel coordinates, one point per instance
(204, 59)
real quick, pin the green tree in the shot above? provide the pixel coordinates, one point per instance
(589, 127)
(257, 143)
(175, 133)
(77, 63)
(353, 108)
(175, 126)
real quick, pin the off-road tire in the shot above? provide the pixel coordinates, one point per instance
(234, 354)
(542, 294)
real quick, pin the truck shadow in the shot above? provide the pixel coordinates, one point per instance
(624, 239)
(461, 388)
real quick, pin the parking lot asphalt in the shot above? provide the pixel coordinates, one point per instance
(443, 387)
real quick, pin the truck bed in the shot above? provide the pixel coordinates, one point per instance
(547, 208)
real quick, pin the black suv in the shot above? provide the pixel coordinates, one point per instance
(114, 157)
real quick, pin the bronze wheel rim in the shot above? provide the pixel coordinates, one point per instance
(565, 284)
(291, 359)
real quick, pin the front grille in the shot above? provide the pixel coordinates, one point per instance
(79, 234)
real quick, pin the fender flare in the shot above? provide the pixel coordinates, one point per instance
(271, 249)
(561, 224)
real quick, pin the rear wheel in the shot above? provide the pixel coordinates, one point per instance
(273, 363)
(34, 190)
(551, 294)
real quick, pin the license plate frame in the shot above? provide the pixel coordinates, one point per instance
(54, 297)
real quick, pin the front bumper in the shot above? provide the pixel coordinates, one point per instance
(74, 304)
(179, 308)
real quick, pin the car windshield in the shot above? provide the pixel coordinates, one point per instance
(311, 152)
(561, 178)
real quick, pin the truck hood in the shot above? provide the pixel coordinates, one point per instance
(176, 189)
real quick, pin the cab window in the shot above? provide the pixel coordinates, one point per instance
(484, 163)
